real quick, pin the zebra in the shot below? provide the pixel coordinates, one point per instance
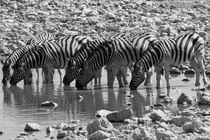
(15, 55)
(114, 53)
(10, 62)
(75, 62)
(55, 55)
(188, 47)
(41, 38)
(47, 56)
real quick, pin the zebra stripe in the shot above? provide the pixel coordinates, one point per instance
(48, 55)
(41, 38)
(117, 52)
(55, 55)
(121, 48)
(78, 59)
(15, 56)
(75, 62)
(188, 47)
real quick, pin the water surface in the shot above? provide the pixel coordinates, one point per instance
(21, 104)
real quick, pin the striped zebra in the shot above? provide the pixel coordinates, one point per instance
(40, 39)
(14, 57)
(188, 47)
(79, 57)
(49, 55)
(114, 53)
(10, 62)
(75, 63)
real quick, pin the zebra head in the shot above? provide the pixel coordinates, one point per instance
(19, 72)
(138, 76)
(86, 74)
(72, 72)
(7, 71)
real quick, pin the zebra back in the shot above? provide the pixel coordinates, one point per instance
(15, 55)
(186, 46)
(85, 51)
(42, 55)
(72, 43)
(41, 38)
(111, 50)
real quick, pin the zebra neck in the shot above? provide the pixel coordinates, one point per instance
(148, 61)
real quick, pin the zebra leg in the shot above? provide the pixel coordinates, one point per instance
(148, 77)
(200, 60)
(195, 65)
(167, 74)
(48, 73)
(119, 79)
(28, 77)
(158, 76)
(111, 73)
(60, 74)
(99, 76)
(124, 75)
(95, 80)
(44, 75)
(37, 72)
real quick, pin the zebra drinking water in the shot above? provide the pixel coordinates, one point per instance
(188, 47)
(140, 41)
(18, 53)
(49, 55)
(114, 53)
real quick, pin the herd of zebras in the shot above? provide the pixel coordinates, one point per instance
(83, 58)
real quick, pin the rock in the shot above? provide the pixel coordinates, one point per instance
(187, 113)
(207, 28)
(189, 72)
(205, 130)
(168, 100)
(183, 98)
(180, 120)
(61, 134)
(90, 12)
(49, 104)
(71, 127)
(1, 132)
(32, 127)
(191, 127)
(24, 134)
(157, 115)
(120, 116)
(102, 113)
(99, 124)
(163, 134)
(204, 100)
(49, 129)
(141, 133)
(100, 135)
(186, 79)
(175, 71)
